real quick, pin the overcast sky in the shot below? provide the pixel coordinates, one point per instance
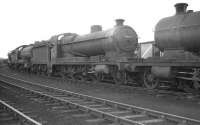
(26, 21)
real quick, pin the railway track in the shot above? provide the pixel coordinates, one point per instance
(60, 109)
(52, 105)
(178, 95)
(103, 110)
(11, 116)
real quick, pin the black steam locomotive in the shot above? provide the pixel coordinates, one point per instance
(115, 54)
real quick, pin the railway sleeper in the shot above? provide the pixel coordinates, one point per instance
(148, 118)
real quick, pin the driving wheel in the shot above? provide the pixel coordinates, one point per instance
(150, 81)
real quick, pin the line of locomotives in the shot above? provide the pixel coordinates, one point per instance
(113, 54)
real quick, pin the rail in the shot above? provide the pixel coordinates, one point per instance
(20, 114)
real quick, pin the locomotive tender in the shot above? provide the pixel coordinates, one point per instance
(114, 55)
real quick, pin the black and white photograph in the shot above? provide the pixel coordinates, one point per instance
(100, 62)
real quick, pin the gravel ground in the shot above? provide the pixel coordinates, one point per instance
(126, 95)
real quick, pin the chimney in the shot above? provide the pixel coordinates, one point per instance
(95, 28)
(181, 8)
(119, 22)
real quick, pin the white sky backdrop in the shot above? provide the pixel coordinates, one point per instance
(25, 21)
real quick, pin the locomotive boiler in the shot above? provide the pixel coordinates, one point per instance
(121, 40)
(181, 31)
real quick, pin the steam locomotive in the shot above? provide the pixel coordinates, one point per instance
(115, 54)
